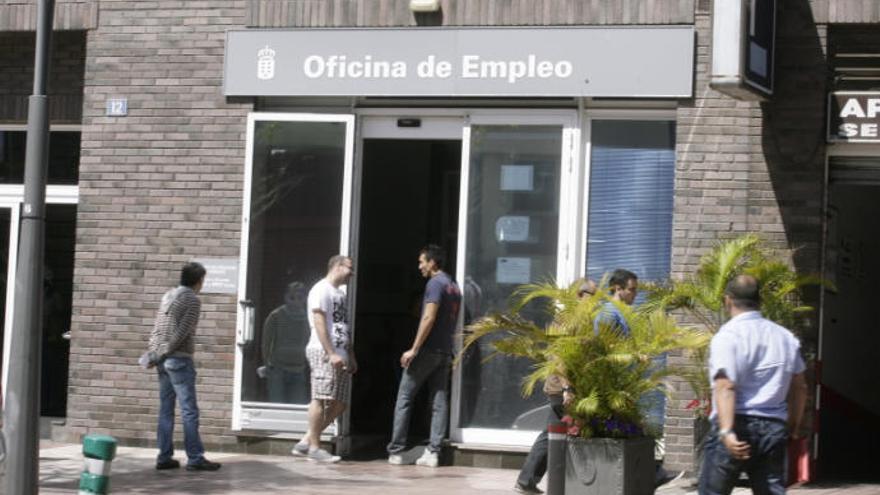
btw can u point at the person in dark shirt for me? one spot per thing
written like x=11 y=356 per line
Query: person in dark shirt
x=428 y=360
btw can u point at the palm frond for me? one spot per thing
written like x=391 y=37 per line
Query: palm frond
x=723 y=262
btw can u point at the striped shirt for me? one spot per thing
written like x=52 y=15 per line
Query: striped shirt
x=175 y=328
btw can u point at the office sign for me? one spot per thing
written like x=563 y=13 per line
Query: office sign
x=563 y=62
x=854 y=117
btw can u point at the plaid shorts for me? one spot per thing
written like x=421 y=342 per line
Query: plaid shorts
x=327 y=381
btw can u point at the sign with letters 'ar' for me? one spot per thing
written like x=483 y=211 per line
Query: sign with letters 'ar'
x=578 y=61
x=854 y=117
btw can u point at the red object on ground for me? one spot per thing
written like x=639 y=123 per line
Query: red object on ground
x=798 y=461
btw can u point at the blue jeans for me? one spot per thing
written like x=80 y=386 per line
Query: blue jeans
x=765 y=466
x=431 y=367
x=177 y=380
x=287 y=386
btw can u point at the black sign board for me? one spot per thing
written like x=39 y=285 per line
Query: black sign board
x=743 y=39
x=759 y=41
x=854 y=117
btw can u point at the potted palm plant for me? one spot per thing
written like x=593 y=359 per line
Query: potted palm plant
x=610 y=443
x=698 y=298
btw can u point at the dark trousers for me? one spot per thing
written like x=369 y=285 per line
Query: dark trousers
x=431 y=367
x=536 y=462
x=765 y=466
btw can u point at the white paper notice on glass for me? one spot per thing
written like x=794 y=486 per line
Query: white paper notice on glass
x=517 y=177
x=513 y=271
x=512 y=229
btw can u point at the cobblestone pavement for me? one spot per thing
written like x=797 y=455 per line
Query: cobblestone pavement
x=133 y=473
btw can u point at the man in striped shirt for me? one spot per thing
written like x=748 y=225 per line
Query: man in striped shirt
x=172 y=345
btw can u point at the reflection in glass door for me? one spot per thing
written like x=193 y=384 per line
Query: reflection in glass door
x=513 y=198
x=296 y=217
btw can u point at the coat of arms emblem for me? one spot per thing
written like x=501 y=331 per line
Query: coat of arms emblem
x=266 y=63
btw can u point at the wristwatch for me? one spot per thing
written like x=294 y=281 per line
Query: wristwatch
x=724 y=433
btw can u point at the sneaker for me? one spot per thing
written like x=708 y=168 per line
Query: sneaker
x=169 y=464
x=665 y=477
x=428 y=459
x=205 y=465
x=530 y=489
x=301 y=449
x=321 y=455
x=407 y=456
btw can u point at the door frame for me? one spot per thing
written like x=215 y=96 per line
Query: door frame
x=288 y=418
x=568 y=120
x=832 y=150
x=381 y=123
x=11 y=197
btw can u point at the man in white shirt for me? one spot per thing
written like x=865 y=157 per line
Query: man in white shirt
x=330 y=355
x=753 y=365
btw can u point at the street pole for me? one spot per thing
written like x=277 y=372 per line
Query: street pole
x=22 y=405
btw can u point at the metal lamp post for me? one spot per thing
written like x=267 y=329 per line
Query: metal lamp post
x=22 y=405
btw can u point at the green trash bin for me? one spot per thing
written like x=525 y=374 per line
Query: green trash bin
x=99 y=452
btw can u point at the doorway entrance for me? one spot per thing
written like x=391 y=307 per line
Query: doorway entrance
x=58 y=257
x=409 y=198
x=849 y=404
x=496 y=188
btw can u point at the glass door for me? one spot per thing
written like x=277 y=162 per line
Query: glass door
x=8 y=254
x=297 y=198
x=514 y=212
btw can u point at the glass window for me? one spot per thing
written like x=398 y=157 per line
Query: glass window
x=512 y=237
x=630 y=217
x=64 y=152
x=631 y=186
x=295 y=222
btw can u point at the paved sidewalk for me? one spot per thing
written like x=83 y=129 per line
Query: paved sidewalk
x=134 y=473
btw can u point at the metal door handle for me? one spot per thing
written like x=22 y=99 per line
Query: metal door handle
x=246 y=332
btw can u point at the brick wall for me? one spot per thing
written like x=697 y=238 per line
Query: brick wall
x=157 y=188
x=750 y=167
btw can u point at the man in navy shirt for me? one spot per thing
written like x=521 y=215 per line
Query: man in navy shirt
x=429 y=358
x=623 y=285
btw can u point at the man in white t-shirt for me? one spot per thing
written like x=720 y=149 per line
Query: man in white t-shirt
x=330 y=356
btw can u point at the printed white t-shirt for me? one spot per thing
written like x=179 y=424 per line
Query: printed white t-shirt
x=332 y=302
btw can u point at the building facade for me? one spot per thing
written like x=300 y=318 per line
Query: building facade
x=181 y=131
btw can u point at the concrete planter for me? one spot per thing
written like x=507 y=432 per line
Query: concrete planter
x=608 y=466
